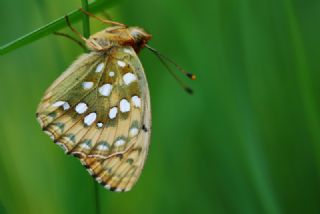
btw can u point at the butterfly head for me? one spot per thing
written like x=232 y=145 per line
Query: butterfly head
x=140 y=37
x=119 y=35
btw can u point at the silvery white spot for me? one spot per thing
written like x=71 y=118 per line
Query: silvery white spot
x=83 y=162
x=58 y=103
x=87 y=85
x=85 y=146
x=99 y=179
x=90 y=171
x=99 y=124
x=81 y=108
x=121 y=63
x=124 y=105
x=111 y=73
x=128 y=51
x=113 y=112
x=100 y=67
x=136 y=101
x=105 y=90
x=119 y=142
x=133 y=132
x=107 y=186
x=66 y=106
x=50 y=135
x=40 y=121
x=129 y=78
x=118 y=190
x=102 y=147
x=90 y=118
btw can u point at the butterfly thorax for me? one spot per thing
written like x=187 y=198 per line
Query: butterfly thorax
x=119 y=36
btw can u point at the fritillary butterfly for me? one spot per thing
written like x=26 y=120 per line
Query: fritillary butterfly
x=99 y=109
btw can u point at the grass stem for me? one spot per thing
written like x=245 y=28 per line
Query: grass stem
x=85 y=19
x=54 y=26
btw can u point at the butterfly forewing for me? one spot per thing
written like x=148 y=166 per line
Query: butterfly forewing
x=99 y=111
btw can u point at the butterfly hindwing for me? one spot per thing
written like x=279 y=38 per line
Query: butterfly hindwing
x=99 y=111
x=120 y=171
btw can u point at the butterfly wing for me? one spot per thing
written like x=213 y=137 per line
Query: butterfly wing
x=99 y=111
x=56 y=112
x=121 y=171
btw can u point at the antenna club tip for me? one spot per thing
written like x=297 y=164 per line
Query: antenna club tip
x=191 y=76
x=188 y=90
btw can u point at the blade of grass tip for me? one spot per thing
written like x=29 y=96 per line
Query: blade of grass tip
x=95 y=6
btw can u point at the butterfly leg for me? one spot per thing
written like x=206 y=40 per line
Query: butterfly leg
x=87 y=41
x=106 y=21
x=107 y=15
x=72 y=39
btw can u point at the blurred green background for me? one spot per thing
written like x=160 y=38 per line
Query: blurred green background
x=248 y=141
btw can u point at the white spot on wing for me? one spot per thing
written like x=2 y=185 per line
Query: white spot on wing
x=128 y=51
x=65 y=149
x=90 y=118
x=83 y=162
x=111 y=73
x=81 y=108
x=99 y=124
x=100 y=67
x=129 y=78
x=113 y=112
x=127 y=189
x=58 y=103
x=50 y=135
x=102 y=147
x=124 y=105
x=119 y=142
x=105 y=90
x=87 y=85
x=133 y=132
x=121 y=63
x=90 y=171
x=66 y=106
x=99 y=179
x=85 y=146
x=40 y=120
x=136 y=101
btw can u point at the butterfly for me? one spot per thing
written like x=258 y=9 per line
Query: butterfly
x=99 y=110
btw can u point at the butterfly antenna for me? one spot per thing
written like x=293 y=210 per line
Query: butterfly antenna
x=162 y=59
x=188 y=74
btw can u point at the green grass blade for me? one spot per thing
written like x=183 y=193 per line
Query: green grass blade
x=53 y=26
x=86 y=33
x=85 y=19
